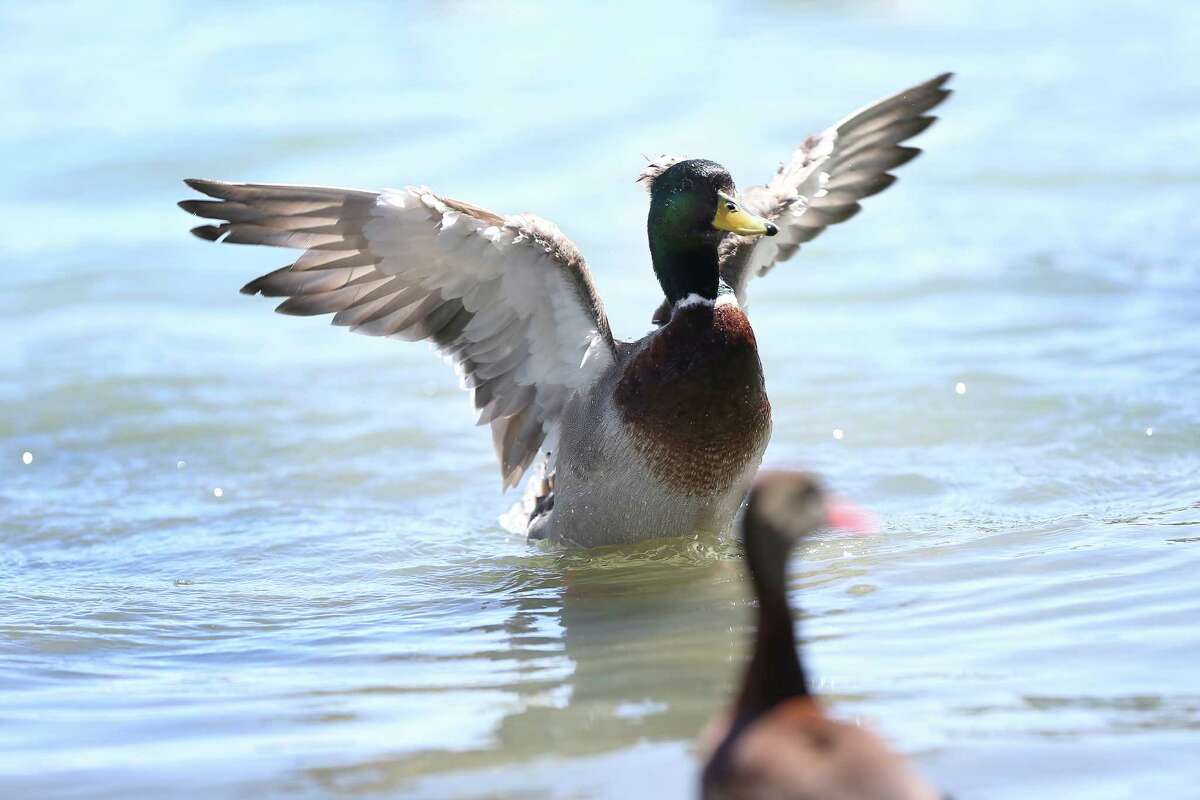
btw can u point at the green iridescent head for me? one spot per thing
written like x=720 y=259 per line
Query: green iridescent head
x=693 y=205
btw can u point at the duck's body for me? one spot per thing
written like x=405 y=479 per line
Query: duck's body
x=796 y=751
x=637 y=440
x=670 y=441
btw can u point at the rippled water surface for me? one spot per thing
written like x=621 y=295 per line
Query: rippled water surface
x=349 y=619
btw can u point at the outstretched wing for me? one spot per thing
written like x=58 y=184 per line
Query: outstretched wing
x=827 y=176
x=507 y=298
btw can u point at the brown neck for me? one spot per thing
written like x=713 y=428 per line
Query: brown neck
x=774 y=673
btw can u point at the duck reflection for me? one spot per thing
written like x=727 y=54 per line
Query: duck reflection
x=602 y=650
x=654 y=636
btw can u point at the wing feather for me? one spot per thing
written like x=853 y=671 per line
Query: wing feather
x=827 y=176
x=508 y=299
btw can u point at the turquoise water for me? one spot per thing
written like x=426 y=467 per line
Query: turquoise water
x=349 y=619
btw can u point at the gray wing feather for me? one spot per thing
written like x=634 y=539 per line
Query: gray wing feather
x=827 y=176
x=508 y=299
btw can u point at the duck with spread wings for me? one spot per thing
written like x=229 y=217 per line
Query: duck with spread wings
x=630 y=440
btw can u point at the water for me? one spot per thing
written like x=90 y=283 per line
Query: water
x=349 y=619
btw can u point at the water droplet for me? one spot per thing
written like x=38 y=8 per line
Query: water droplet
x=838 y=434
x=27 y=457
x=960 y=387
x=217 y=492
x=1149 y=432
x=180 y=464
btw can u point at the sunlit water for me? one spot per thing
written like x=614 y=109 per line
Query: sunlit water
x=348 y=618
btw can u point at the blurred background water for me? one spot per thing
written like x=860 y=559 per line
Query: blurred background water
x=348 y=618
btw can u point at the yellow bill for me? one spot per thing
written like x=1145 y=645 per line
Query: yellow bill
x=732 y=217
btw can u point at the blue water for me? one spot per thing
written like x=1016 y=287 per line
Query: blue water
x=348 y=617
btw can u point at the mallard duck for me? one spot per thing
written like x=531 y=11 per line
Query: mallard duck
x=633 y=440
x=778 y=742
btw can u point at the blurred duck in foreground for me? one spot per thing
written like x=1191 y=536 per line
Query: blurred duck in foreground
x=628 y=440
x=778 y=743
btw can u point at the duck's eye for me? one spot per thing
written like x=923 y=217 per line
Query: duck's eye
x=731 y=206
x=805 y=494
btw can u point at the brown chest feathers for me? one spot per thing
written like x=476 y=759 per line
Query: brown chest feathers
x=694 y=400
